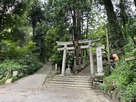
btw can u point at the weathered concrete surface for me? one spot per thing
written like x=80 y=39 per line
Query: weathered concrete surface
x=29 y=89
x=52 y=95
x=33 y=81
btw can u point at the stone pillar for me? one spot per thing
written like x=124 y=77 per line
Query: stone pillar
x=74 y=60
x=64 y=60
x=79 y=63
x=75 y=65
x=91 y=60
x=99 y=61
x=68 y=70
x=83 y=59
x=55 y=66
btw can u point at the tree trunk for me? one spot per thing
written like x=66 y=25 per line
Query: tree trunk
x=132 y=37
x=75 y=37
x=2 y=16
x=79 y=25
x=123 y=13
x=124 y=17
x=116 y=37
x=135 y=2
x=34 y=28
x=42 y=50
x=87 y=25
x=82 y=20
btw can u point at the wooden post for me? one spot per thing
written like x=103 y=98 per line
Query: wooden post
x=64 y=60
x=91 y=60
x=107 y=48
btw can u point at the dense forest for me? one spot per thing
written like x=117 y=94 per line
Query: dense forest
x=29 y=30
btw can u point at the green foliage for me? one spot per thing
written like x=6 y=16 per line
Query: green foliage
x=53 y=35
x=36 y=14
x=11 y=50
x=129 y=93
x=7 y=68
x=28 y=65
x=13 y=17
x=19 y=58
x=129 y=48
x=30 y=47
x=57 y=58
x=123 y=77
x=99 y=32
x=9 y=65
x=130 y=30
x=107 y=70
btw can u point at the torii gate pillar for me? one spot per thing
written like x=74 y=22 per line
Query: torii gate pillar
x=64 y=60
x=91 y=59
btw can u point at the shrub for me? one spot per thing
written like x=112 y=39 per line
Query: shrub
x=10 y=49
x=25 y=66
x=7 y=68
x=20 y=59
x=30 y=64
x=129 y=95
x=29 y=47
x=122 y=78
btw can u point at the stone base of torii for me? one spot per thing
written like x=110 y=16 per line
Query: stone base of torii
x=87 y=46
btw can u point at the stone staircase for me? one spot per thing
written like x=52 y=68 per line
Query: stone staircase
x=80 y=82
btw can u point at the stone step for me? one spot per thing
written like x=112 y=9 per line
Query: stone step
x=71 y=78
x=74 y=76
x=72 y=87
x=70 y=83
x=80 y=82
x=67 y=85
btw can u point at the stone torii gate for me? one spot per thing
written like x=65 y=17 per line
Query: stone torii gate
x=66 y=48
